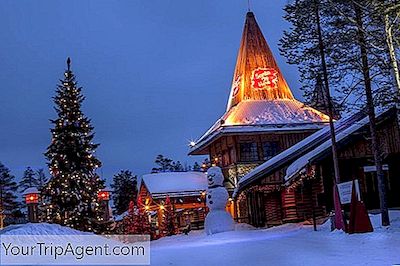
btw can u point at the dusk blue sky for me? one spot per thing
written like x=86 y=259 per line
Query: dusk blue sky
x=155 y=73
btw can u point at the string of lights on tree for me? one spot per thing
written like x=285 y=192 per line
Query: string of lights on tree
x=71 y=196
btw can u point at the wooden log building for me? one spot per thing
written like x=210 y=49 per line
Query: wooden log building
x=275 y=151
x=262 y=117
x=298 y=182
x=186 y=192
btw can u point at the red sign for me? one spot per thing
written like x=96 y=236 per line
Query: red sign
x=235 y=86
x=264 y=78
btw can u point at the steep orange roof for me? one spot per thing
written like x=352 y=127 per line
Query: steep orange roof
x=257 y=75
x=260 y=100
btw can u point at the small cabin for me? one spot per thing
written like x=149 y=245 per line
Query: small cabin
x=185 y=191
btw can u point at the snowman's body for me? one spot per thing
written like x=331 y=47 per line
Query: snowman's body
x=218 y=219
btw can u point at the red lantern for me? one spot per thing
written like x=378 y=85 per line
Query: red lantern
x=31 y=196
x=103 y=195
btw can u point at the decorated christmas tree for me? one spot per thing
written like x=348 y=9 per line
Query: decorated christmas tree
x=137 y=221
x=71 y=194
x=169 y=225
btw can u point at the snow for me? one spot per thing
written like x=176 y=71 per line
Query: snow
x=40 y=229
x=298 y=165
x=175 y=183
x=303 y=161
x=217 y=198
x=289 y=244
x=264 y=116
x=302 y=152
x=298 y=149
x=31 y=190
x=218 y=221
x=280 y=111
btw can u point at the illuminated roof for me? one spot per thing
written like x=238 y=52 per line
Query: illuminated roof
x=257 y=75
x=260 y=99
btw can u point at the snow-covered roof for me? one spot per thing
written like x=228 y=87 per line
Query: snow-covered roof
x=263 y=116
x=302 y=153
x=297 y=166
x=31 y=190
x=175 y=184
x=297 y=150
x=273 y=112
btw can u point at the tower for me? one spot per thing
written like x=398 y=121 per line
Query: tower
x=262 y=117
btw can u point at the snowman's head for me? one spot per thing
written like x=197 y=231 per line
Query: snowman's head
x=215 y=176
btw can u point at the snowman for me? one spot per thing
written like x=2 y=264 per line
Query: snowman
x=218 y=219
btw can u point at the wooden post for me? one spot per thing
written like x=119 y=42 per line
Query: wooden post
x=314 y=218
x=33 y=212
x=103 y=197
x=2 y=217
x=32 y=201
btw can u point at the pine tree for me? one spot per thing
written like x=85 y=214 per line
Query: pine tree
x=375 y=141
x=196 y=167
x=356 y=65
x=187 y=167
x=366 y=63
x=124 y=190
x=310 y=21
x=177 y=167
x=28 y=180
x=71 y=193
x=164 y=164
x=41 y=179
x=8 y=188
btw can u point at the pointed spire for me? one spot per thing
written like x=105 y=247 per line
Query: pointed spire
x=257 y=75
x=320 y=101
x=69 y=64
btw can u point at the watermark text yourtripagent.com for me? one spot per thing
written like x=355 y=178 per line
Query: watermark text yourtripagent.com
x=74 y=250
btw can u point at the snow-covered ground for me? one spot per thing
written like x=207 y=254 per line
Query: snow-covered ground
x=290 y=244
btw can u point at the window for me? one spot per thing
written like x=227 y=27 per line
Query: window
x=248 y=152
x=270 y=149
